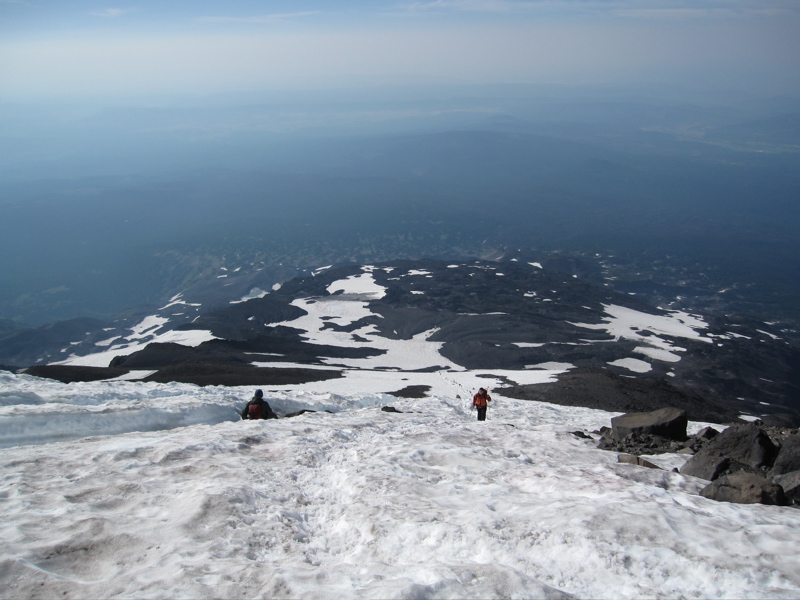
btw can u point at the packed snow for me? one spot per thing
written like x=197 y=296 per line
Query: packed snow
x=356 y=502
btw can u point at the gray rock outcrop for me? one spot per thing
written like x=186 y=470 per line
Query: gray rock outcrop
x=745 y=488
x=790 y=482
x=738 y=448
x=788 y=458
x=636 y=460
x=669 y=423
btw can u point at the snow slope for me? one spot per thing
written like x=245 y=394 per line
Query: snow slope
x=360 y=503
x=119 y=489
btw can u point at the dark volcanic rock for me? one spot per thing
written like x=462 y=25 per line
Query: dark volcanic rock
x=161 y=355
x=245 y=320
x=788 y=458
x=738 y=448
x=216 y=374
x=636 y=460
x=38 y=344
x=72 y=374
x=285 y=345
x=601 y=389
x=638 y=444
x=487 y=315
x=706 y=433
x=790 y=482
x=668 y=422
x=412 y=391
x=745 y=488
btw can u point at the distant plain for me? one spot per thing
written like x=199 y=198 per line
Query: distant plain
x=121 y=205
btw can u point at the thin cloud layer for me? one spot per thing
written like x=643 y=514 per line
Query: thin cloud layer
x=271 y=18
x=193 y=48
x=624 y=8
x=111 y=13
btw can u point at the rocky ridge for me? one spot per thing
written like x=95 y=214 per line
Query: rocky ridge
x=747 y=463
x=617 y=352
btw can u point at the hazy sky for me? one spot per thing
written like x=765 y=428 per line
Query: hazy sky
x=53 y=47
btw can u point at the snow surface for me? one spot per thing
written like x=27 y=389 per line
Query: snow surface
x=141 y=334
x=127 y=346
x=253 y=294
x=630 y=324
x=633 y=364
x=357 y=503
x=129 y=489
x=349 y=308
x=362 y=285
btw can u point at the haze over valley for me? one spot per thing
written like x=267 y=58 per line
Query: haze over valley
x=362 y=213
x=113 y=207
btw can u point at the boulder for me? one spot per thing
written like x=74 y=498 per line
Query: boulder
x=790 y=482
x=706 y=433
x=788 y=458
x=664 y=422
x=636 y=460
x=745 y=488
x=637 y=445
x=707 y=467
x=740 y=447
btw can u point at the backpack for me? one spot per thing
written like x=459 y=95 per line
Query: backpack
x=254 y=411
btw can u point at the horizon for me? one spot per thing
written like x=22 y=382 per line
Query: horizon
x=142 y=131
x=53 y=49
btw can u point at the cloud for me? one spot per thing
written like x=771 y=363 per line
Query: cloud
x=465 y=5
x=734 y=10
x=652 y=9
x=111 y=13
x=258 y=18
x=514 y=48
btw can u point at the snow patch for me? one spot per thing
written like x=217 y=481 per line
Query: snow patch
x=632 y=364
x=527 y=345
x=360 y=285
x=626 y=323
x=251 y=295
x=146 y=327
x=659 y=354
x=749 y=418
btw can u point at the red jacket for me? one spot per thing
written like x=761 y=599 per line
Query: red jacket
x=481 y=400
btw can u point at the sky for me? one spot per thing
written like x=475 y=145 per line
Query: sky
x=50 y=48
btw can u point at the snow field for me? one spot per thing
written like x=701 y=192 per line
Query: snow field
x=171 y=496
x=366 y=504
x=349 y=303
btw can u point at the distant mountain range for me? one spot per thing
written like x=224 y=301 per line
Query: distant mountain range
x=548 y=334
